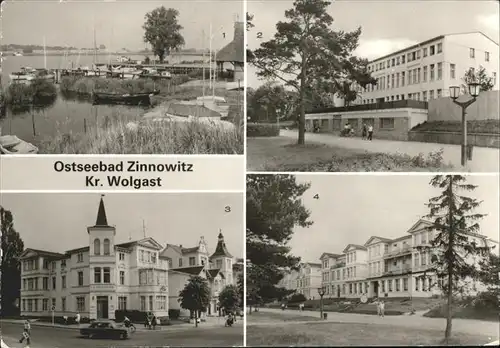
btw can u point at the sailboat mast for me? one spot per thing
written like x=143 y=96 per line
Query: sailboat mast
x=210 y=57
x=44 y=54
x=95 y=49
x=203 y=40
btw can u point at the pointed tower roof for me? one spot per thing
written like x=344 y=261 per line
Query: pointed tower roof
x=101 y=220
x=221 y=249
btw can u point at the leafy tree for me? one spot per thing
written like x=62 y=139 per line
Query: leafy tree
x=195 y=296
x=229 y=298
x=241 y=289
x=274 y=208
x=307 y=54
x=162 y=31
x=250 y=25
x=270 y=102
x=454 y=219
x=480 y=76
x=297 y=298
x=12 y=247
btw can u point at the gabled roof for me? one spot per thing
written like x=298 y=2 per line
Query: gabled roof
x=355 y=246
x=29 y=252
x=234 y=51
x=195 y=270
x=179 y=249
x=329 y=255
x=419 y=225
x=213 y=273
x=377 y=237
x=145 y=242
x=314 y=264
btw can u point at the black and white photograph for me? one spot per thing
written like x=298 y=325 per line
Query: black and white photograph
x=385 y=260
x=362 y=86
x=91 y=270
x=122 y=77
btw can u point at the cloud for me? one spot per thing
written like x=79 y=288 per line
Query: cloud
x=372 y=49
x=489 y=21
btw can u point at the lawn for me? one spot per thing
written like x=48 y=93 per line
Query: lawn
x=282 y=154
x=260 y=332
x=473 y=126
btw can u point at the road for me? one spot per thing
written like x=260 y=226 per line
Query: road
x=466 y=326
x=47 y=337
x=483 y=160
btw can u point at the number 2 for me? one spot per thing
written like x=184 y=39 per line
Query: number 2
x=259 y=35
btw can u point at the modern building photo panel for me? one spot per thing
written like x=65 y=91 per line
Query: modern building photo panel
x=155 y=269
x=362 y=86
x=372 y=260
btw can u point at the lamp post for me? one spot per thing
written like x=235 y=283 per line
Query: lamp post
x=474 y=89
x=321 y=292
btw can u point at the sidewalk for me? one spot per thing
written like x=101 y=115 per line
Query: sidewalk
x=484 y=159
x=470 y=326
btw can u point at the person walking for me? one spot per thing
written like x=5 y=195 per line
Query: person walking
x=77 y=319
x=370 y=132
x=364 y=132
x=26 y=333
x=382 y=308
x=154 y=322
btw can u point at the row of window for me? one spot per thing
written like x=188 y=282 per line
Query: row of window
x=420 y=96
x=31 y=305
x=472 y=54
x=97 y=246
x=408 y=57
x=351 y=257
x=147 y=303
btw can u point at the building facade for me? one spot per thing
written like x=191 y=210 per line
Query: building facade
x=306 y=280
x=385 y=267
x=98 y=279
x=426 y=71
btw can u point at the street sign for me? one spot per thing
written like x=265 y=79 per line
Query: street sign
x=364 y=299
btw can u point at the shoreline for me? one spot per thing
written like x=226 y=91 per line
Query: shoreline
x=11 y=54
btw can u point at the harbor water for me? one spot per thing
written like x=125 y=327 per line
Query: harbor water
x=64 y=116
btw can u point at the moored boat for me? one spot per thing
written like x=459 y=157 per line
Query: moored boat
x=25 y=74
x=12 y=145
x=127 y=99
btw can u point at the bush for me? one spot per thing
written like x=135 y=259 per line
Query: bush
x=297 y=298
x=262 y=130
x=174 y=313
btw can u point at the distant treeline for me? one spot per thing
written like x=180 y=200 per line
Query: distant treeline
x=14 y=47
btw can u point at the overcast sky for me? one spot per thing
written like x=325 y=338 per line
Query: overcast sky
x=117 y=23
x=387 y=26
x=352 y=208
x=58 y=221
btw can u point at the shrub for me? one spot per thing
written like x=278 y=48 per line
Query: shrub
x=262 y=130
x=297 y=298
x=174 y=313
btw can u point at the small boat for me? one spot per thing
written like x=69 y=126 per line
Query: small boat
x=17 y=54
x=123 y=59
x=44 y=74
x=12 y=145
x=25 y=74
x=127 y=99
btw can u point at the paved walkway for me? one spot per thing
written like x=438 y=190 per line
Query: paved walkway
x=491 y=329
x=484 y=159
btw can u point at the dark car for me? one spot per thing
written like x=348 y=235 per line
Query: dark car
x=105 y=329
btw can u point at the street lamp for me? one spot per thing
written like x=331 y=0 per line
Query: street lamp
x=474 y=89
x=321 y=292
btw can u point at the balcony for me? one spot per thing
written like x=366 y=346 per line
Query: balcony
x=398 y=270
x=338 y=265
x=397 y=104
x=406 y=249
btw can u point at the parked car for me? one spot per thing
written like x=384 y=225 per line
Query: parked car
x=105 y=329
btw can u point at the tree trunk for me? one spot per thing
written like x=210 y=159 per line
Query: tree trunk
x=302 y=92
x=195 y=318
x=447 y=332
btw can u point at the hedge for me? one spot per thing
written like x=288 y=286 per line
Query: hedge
x=174 y=313
x=262 y=130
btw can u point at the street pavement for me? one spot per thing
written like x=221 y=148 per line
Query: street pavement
x=466 y=326
x=184 y=335
x=483 y=160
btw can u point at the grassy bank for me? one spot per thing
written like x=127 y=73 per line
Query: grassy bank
x=85 y=85
x=39 y=91
x=116 y=137
x=281 y=154
x=473 y=126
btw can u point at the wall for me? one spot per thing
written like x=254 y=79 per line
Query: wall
x=483 y=140
x=485 y=108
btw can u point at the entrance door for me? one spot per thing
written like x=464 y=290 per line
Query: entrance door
x=102 y=307
x=375 y=288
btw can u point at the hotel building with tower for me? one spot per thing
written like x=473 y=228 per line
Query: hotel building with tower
x=104 y=276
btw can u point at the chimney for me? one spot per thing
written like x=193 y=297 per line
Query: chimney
x=239 y=31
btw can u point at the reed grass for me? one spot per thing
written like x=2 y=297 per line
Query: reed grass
x=85 y=85
x=38 y=91
x=118 y=137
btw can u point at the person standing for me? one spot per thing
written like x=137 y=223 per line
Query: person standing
x=26 y=333
x=382 y=308
x=378 y=306
x=364 y=132
x=77 y=319
x=370 y=132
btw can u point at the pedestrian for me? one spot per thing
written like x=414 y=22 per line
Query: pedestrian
x=370 y=132
x=154 y=322
x=364 y=132
x=26 y=333
x=382 y=308
x=378 y=306
x=77 y=319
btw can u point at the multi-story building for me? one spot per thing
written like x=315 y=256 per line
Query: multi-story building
x=390 y=267
x=305 y=281
x=426 y=70
x=102 y=277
